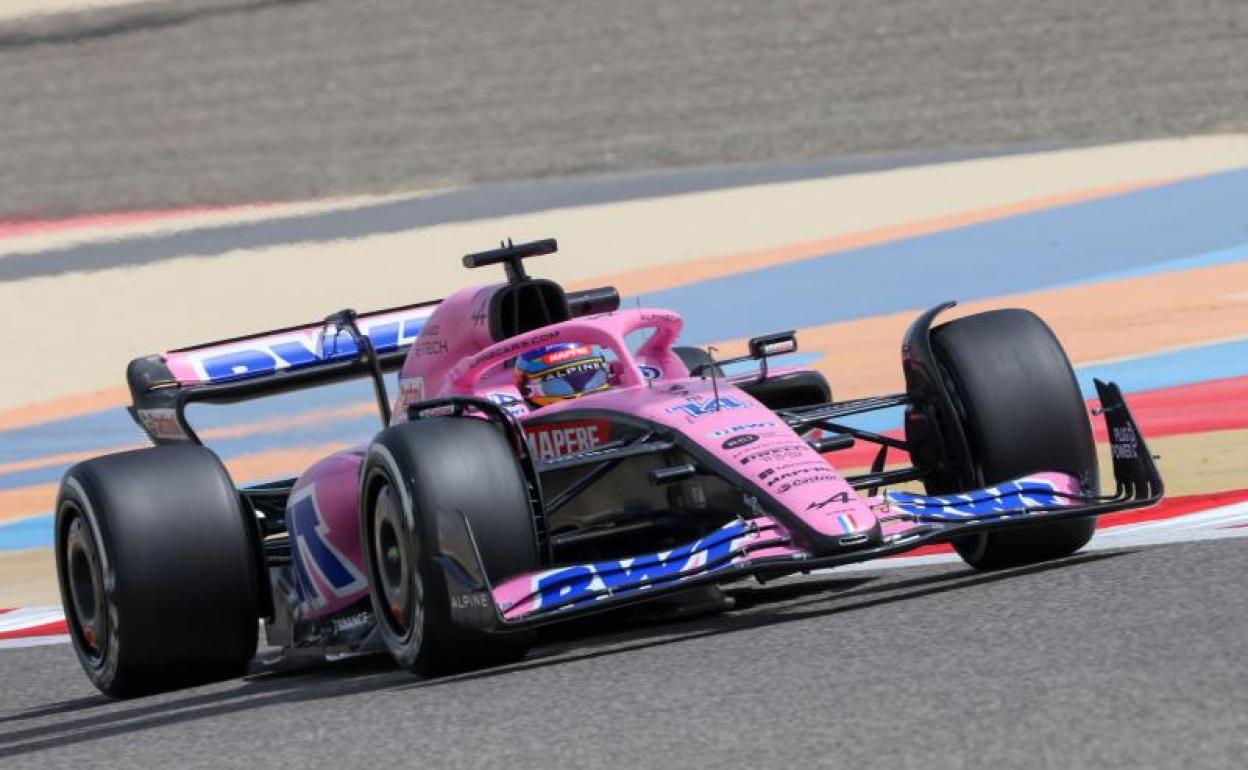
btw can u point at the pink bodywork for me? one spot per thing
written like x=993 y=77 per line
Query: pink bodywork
x=455 y=355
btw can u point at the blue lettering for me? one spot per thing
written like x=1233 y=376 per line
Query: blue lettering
x=1010 y=496
x=645 y=569
x=239 y=363
x=709 y=406
x=571 y=583
x=384 y=336
x=411 y=330
x=306 y=528
x=576 y=584
x=983 y=501
x=295 y=353
x=250 y=362
x=339 y=345
x=1044 y=495
x=719 y=549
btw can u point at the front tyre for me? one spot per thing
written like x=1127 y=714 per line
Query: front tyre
x=157 y=569
x=419 y=475
x=1020 y=406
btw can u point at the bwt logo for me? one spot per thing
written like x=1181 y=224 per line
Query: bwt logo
x=710 y=406
x=1003 y=498
x=301 y=349
x=587 y=582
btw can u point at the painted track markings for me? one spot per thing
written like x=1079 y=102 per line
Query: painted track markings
x=1179 y=519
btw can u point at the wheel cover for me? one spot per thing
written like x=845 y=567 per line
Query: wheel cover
x=395 y=575
x=85 y=579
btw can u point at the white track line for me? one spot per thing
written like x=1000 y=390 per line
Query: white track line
x=29 y=617
x=1213 y=524
x=18 y=9
x=33 y=641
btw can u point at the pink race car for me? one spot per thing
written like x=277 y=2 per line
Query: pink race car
x=549 y=455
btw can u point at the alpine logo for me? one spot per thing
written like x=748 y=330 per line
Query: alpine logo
x=839 y=497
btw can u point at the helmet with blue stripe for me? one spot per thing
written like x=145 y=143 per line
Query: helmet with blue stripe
x=559 y=372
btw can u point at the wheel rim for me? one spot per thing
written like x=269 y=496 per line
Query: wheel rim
x=394 y=566
x=84 y=576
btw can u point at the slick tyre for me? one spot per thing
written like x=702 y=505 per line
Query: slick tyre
x=158 y=570
x=1019 y=403
x=418 y=477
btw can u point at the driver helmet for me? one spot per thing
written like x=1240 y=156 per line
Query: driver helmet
x=559 y=372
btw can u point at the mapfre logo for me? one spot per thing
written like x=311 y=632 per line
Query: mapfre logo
x=553 y=440
x=559 y=356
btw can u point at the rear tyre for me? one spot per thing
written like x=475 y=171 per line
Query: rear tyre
x=157 y=568
x=413 y=473
x=1019 y=403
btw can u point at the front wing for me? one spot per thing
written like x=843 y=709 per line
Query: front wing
x=757 y=545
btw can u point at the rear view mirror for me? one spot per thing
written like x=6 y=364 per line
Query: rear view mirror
x=775 y=344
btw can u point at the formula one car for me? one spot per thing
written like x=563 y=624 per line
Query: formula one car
x=549 y=455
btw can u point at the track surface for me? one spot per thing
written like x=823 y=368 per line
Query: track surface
x=1123 y=658
x=1112 y=659
x=197 y=101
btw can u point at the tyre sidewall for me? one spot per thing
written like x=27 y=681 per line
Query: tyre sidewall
x=179 y=568
x=73 y=501
x=1020 y=405
x=438 y=644
x=382 y=466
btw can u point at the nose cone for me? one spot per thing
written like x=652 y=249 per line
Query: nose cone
x=756 y=448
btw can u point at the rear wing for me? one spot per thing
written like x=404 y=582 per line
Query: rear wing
x=267 y=363
x=284 y=360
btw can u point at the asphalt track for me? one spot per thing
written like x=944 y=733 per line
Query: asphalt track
x=1119 y=658
x=202 y=101
x=1111 y=659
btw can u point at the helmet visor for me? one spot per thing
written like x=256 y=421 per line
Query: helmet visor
x=584 y=376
